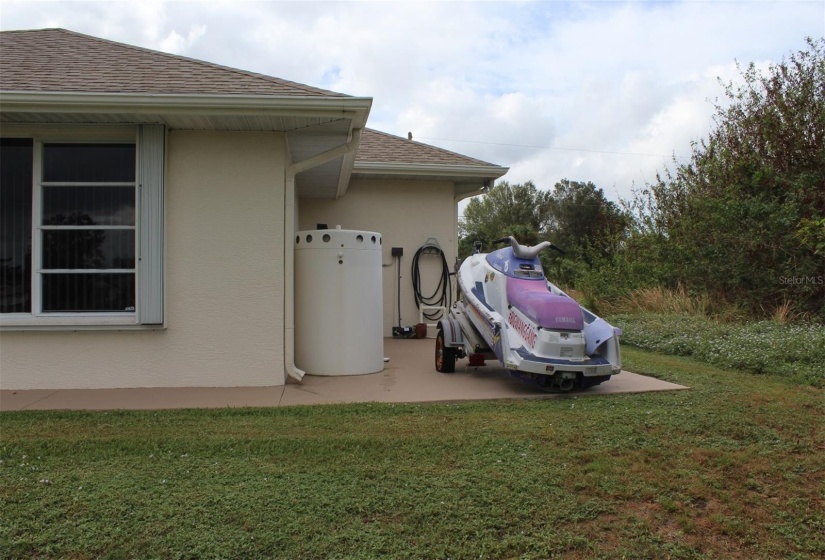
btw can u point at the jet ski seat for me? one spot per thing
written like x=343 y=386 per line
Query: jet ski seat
x=542 y=307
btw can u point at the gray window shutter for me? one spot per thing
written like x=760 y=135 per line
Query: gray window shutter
x=151 y=140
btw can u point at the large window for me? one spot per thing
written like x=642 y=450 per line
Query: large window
x=87 y=228
x=81 y=237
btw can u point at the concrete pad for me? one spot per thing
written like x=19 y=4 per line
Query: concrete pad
x=141 y=398
x=20 y=400
x=409 y=376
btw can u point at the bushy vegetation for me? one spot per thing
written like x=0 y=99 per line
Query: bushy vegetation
x=767 y=347
x=744 y=220
x=740 y=226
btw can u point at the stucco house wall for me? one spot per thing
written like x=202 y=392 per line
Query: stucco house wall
x=224 y=217
x=406 y=213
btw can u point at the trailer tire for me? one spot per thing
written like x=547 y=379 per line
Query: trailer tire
x=444 y=355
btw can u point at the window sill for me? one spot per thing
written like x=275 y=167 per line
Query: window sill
x=73 y=323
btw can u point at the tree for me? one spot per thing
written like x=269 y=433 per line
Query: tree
x=587 y=226
x=520 y=210
x=584 y=221
x=575 y=216
x=744 y=218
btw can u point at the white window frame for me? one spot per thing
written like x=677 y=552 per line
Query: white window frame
x=149 y=143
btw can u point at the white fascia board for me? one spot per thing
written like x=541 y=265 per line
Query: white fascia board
x=356 y=108
x=434 y=169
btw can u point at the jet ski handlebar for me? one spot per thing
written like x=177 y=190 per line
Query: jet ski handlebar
x=525 y=251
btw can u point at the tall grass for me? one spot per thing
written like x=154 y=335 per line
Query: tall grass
x=657 y=299
x=680 y=301
x=786 y=313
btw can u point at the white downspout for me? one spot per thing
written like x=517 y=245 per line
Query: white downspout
x=289 y=278
x=290 y=213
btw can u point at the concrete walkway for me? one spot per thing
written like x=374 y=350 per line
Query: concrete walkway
x=409 y=376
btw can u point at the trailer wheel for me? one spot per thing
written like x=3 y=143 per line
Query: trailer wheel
x=444 y=355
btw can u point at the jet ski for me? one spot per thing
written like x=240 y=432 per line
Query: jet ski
x=507 y=310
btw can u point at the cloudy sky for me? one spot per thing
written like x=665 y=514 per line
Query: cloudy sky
x=605 y=91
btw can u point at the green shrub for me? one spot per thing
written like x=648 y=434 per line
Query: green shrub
x=760 y=347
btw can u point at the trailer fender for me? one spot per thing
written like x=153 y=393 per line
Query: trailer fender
x=453 y=336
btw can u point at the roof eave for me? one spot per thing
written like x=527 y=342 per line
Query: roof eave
x=459 y=172
x=355 y=108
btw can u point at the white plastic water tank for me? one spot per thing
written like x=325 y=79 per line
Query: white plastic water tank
x=338 y=302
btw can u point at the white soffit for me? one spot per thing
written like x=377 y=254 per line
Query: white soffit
x=320 y=181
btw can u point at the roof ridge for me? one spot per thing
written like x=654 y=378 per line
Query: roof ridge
x=256 y=75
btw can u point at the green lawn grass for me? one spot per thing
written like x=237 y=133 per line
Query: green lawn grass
x=732 y=468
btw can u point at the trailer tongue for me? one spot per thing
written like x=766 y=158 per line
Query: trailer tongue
x=510 y=312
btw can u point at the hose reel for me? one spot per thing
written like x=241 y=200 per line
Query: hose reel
x=440 y=297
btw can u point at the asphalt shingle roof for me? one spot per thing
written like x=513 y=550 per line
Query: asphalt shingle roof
x=380 y=147
x=57 y=60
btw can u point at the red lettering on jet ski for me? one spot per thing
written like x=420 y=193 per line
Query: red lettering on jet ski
x=522 y=328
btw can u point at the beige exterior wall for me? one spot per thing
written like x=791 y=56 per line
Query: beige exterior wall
x=406 y=214
x=224 y=283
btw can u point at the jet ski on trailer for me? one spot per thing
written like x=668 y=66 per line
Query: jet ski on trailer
x=507 y=310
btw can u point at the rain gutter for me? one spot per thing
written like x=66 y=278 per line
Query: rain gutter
x=356 y=108
x=430 y=169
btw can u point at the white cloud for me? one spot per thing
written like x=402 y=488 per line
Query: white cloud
x=174 y=42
